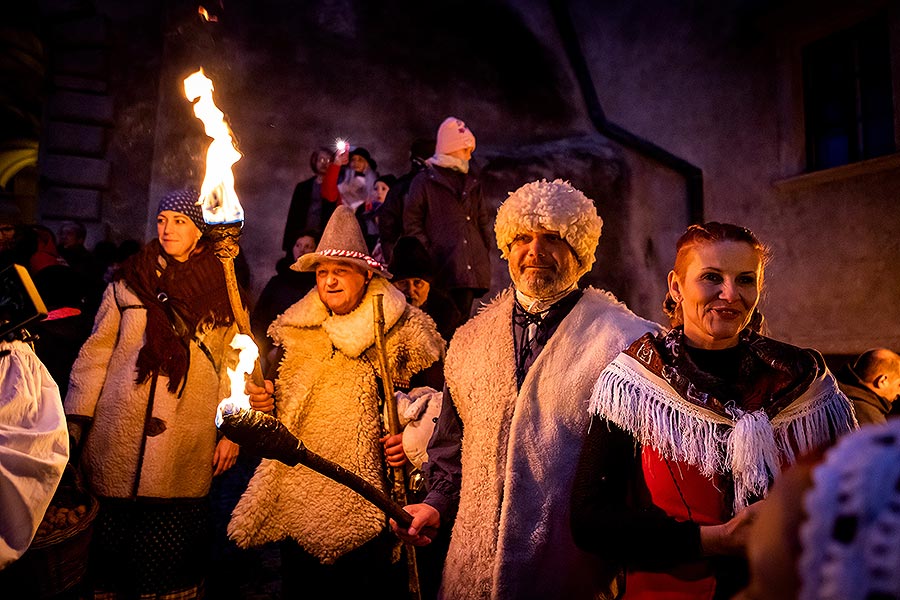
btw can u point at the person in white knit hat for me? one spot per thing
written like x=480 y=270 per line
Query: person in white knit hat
x=446 y=211
x=518 y=378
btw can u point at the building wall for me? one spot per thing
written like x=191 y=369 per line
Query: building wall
x=713 y=83
x=718 y=83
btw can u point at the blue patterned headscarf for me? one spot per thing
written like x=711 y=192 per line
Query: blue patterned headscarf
x=184 y=202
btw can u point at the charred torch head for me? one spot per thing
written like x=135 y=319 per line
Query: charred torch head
x=261 y=434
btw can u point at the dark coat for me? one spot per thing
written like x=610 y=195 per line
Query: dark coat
x=282 y=290
x=443 y=312
x=390 y=215
x=304 y=213
x=869 y=406
x=445 y=209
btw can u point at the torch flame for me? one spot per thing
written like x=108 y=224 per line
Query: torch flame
x=217 y=196
x=238 y=400
x=206 y=16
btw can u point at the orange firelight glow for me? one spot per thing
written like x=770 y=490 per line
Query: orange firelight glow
x=206 y=16
x=217 y=196
x=247 y=355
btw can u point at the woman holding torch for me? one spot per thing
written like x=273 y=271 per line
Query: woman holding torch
x=142 y=401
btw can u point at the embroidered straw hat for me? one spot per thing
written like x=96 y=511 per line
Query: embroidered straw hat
x=342 y=240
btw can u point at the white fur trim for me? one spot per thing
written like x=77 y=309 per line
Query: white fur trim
x=351 y=333
x=748 y=445
x=328 y=398
x=512 y=537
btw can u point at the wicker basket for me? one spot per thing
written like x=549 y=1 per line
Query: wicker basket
x=56 y=562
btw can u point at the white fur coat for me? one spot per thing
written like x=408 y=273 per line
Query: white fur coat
x=327 y=395
x=177 y=463
x=519 y=450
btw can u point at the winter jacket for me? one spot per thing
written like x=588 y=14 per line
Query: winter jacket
x=445 y=209
x=869 y=406
x=308 y=210
x=177 y=457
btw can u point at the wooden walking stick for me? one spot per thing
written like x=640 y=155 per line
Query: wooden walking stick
x=398 y=491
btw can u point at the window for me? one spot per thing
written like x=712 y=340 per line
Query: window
x=848 y=96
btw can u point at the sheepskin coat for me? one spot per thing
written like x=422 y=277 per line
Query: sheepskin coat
x=519 y=449
x=181 y=436
x=327 y=394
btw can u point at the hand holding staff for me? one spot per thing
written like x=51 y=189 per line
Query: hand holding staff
x=399 y=473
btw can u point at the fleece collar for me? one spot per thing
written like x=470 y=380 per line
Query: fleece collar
x=352 y=333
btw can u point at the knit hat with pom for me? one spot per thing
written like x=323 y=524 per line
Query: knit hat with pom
x=554 y=206
x=453 y=135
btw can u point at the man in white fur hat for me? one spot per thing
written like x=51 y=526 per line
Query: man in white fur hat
x=520 y=375
x=327 y=394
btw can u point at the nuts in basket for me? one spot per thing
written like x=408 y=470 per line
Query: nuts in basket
x=58 y=518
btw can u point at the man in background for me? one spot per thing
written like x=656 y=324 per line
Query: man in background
x=872 y=382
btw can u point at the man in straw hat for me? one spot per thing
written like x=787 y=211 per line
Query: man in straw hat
x=327 y=394
x=519 y=375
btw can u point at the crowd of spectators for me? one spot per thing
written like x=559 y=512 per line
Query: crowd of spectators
x=604 y=455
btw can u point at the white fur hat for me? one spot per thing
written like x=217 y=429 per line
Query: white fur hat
x=554 y=206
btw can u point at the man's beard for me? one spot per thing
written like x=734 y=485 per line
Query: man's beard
x=545 y=283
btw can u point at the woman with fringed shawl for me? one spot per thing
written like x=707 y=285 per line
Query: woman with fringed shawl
x=689 y=428
x=143 y=395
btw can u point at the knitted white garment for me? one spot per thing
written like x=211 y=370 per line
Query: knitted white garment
x=851 y=538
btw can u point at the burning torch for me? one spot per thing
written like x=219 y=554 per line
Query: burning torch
x=268 y=437
x=222 y=210
x=261 y=433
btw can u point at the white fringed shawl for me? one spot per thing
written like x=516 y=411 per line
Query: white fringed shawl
x=747 y=444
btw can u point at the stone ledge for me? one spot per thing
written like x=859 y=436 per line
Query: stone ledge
x=857 y=169
x=89 y=31
x=74 y=83
x=91 y=62
x=78 y=107
x=70 y=138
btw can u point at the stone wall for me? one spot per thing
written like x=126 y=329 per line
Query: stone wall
x=714 y=84
x=719 y=84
